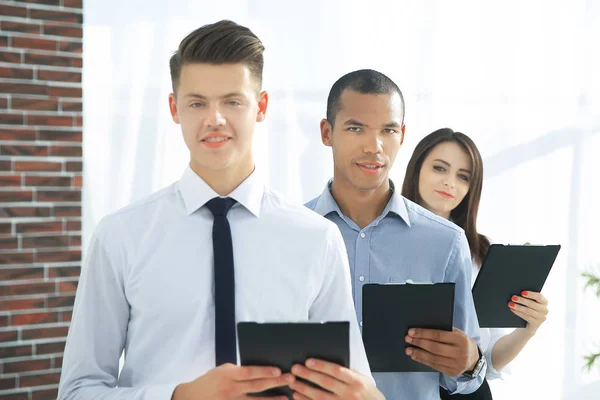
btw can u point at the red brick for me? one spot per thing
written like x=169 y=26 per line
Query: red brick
x=75 y=241
x=74 y=166
x=34 y=104
x=36 y=227
x=34 y=318
x=26 y=212
x=19 y=150
x=51 y=60
x=23 y=88
x=73 y=3
x=8 y=56
x=25 y=289
x=78 y=181
x=21 y=27
x=62 y=30
x=17 y=134
x=33 y=43
x=12 y=119
x=45 y=242
x=61 y=301
x=16 y=258
x=3 y=103
x=66 y=151
x=11 y=243
x=61 y=136
x=16 y=396
x=67 y=211
x=10 y=180
x=67 y=287
x=40 y=380
x=73 y=225
x=45 y=166
x=16 y=73
x=21 y=304
x=73 y=106
x=24 y=273
x=17 y=196
x=3 y=324
x=10 y=11
x=49 y=120
x=8 y=336
x=70 y=46
x=48 y=180
x=60 y=76
x=60 y=91
x=45 y=2
x=50 y=348
x=46 y=394
x=57 y=362
x=59 y=195
x=16 y=351
x=63 y=272
x=25 y=366
x=5 y=165
x=58 y=256
x=6 y=227
x=66 y=316
x=8 y=383
x=63 y=16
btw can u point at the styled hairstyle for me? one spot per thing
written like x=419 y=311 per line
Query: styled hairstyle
x=364 y=81
x=223 y=42
x=465 y=214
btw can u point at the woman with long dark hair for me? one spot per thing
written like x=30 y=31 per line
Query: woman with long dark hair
x=445 y=175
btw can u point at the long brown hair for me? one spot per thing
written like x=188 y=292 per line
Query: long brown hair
x=465 y=214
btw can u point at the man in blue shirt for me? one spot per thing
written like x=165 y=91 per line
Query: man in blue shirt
x=390 y=239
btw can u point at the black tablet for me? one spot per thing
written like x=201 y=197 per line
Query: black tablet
x=286 y=344
x=507 y=271
x=390 y=310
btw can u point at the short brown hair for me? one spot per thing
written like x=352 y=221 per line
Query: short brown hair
x=223 y=42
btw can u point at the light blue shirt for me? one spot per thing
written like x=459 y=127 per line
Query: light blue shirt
x=408 y=242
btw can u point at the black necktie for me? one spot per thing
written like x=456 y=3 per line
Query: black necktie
x=225 y=343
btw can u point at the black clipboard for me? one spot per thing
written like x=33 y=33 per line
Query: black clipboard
x=283 y=345
x=508 y=270
x=390 y=310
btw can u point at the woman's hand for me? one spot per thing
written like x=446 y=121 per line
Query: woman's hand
x=532 y=307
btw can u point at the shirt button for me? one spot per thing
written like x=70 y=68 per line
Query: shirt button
x=360 y=323
x=362 y=235
x=361 y=278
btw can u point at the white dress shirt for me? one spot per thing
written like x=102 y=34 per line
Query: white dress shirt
x=147 y=287
x=489 y=337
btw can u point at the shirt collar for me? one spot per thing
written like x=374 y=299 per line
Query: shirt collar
x=326 y=204
x=196 y=192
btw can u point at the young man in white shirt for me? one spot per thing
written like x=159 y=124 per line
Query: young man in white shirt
x=166 y=281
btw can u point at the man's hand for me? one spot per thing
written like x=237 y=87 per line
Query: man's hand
x=230 y=381
x=344 y=383
x=451 y=353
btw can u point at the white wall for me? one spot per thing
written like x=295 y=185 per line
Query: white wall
x=519 y=77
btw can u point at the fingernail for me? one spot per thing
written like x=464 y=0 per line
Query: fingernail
x=276 y=372
x=311 y=363
x=515 y=298
x=411 y=332
x=409 y=339
x=511 y=304
x=290 y=379
x=409 y=351
x=524 y=293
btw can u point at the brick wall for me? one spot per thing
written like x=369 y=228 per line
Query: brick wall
x=40 y=190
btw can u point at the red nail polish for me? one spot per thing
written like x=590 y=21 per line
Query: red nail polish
x=524 y=293
x=515 y=298
x=511 y=304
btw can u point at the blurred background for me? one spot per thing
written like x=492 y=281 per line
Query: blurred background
x=519 y=77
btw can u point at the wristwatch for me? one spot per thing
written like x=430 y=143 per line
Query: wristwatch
x=478 y=367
